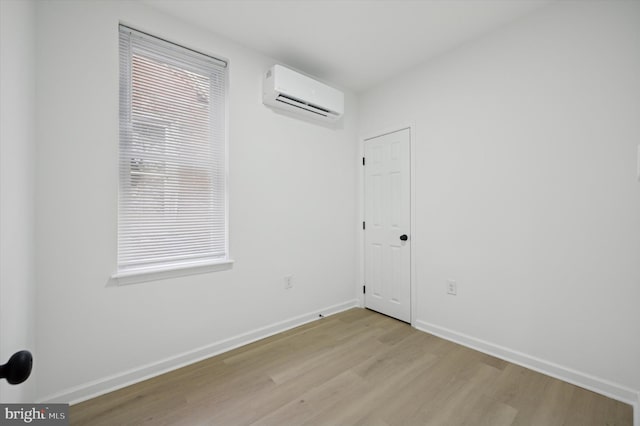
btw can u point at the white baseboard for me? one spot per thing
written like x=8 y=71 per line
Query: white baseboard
x=108 y=384
x=587 y=381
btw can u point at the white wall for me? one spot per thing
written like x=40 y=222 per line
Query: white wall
x=526 y=189
x=17 y=153
x=292 y=202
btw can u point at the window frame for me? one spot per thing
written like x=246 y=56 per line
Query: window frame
x=174 y=268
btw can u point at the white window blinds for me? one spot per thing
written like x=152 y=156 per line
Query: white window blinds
x=172 y=194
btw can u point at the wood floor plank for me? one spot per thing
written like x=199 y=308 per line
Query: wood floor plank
x=489 y=412
x=316 y=400
x=363 y=407
x=354 y=368
x=246 y=409
x=554 y=404
x=454 y=404
x=588 y=407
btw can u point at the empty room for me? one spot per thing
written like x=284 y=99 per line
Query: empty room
x=341 y=212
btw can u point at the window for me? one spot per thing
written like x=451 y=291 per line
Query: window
x=172 y=211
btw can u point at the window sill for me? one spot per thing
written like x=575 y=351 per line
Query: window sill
x=136 y=276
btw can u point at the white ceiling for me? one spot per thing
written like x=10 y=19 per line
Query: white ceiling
x=351 y=43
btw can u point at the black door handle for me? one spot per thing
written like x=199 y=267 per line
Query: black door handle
x=404 y=237
x=18 y=369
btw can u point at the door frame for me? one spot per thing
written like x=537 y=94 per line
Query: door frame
x=361 y=181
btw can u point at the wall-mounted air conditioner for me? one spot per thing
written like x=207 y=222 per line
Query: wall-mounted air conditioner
x=292 y=91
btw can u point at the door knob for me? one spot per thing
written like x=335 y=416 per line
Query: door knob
x=404 y=237
x=18 y=369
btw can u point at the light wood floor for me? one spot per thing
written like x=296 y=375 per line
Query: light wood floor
x=354 y=368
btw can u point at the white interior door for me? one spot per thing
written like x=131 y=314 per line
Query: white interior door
x=387 y=220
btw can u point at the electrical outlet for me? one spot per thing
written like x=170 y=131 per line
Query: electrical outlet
x=288 y=282
x=452 y=287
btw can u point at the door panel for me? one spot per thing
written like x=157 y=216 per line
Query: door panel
x=387 y=217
